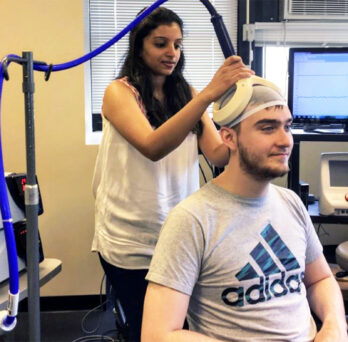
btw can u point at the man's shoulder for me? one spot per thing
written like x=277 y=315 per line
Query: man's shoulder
x=197 y=199
x=282 y=191
x=289 y=198
x=198 y=203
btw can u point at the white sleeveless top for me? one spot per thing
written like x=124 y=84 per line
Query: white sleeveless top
x=134 y=195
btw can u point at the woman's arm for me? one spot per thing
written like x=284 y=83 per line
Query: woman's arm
x=122 y=110
x=210 y=142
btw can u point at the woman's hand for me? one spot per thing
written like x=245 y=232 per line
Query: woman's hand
x=231 y=71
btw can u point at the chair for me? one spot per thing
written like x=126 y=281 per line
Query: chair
x=342 y=259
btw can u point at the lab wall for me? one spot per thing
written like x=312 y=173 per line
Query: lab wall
x=53 y=31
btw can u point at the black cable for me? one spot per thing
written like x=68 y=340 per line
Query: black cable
x=95 y=338
x=102 y=337
x=203 y=174
x=84 y=318
x=209 y=165
x=321 y=227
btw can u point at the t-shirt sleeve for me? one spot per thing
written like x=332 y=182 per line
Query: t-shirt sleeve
x=177 y=258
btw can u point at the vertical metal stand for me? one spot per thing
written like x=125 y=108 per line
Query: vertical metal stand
x=294 y=174
x=31 y=202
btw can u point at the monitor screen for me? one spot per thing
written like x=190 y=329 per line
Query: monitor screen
x=318 y=85
x=338 y=173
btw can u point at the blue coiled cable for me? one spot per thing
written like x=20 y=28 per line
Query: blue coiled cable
x=8 y=320
x=103 y=47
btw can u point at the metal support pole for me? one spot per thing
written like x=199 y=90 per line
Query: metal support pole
x=31 y=202
x=294 y=174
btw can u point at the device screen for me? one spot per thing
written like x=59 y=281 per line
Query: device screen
x=338 y=173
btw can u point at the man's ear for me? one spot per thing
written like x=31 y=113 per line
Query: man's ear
x=229 y=137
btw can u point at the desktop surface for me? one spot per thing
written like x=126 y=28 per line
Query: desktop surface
x=329 y=135
x=313 y=210
x=48 y=269
x=313 y=127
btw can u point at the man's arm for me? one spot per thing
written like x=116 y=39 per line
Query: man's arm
x=164 y=314
x=325 y=299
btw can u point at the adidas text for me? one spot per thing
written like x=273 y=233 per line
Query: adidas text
x=263 y=291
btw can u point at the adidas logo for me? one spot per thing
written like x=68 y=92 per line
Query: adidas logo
x=265 y=289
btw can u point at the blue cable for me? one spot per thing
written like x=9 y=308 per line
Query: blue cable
x=10 y=319
x=220 y=29
x=85 y=58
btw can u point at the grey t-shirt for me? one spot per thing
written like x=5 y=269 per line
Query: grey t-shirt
x=242 y=263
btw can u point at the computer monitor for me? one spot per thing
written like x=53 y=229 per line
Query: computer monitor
x=318 y=86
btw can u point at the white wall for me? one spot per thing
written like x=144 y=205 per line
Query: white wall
x=53 y=31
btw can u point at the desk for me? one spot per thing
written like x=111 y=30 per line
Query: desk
x=48 y=269
x=313 y=210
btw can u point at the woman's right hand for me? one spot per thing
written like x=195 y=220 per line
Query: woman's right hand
x=231 y=71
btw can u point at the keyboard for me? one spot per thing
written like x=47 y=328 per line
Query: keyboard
x=319 y=128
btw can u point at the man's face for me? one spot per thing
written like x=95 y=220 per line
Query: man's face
x=265 y=143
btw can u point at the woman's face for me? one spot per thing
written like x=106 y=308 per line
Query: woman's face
x=162 y=49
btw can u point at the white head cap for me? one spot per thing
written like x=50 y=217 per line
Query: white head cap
x=262 y=97
x=245 y=98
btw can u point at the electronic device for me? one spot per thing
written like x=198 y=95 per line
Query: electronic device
x=15 y=189
x=318 y=91
x=304 y=193
x=231 y=104
x=333 y=198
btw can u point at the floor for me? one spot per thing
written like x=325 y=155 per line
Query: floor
x=66 y=326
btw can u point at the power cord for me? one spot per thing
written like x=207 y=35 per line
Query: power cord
x=203 y=174
x=102 y=337
x=95 y=338
x=84 y=319
x=209 y=166
x=321 y=227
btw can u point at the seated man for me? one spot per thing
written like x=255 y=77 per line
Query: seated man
x=240 y=257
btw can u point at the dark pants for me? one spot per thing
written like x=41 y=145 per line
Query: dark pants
x=129 y=287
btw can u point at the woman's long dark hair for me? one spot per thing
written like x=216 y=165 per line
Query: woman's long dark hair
x=177 y=92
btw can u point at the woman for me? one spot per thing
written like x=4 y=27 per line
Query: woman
x=154 y=123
